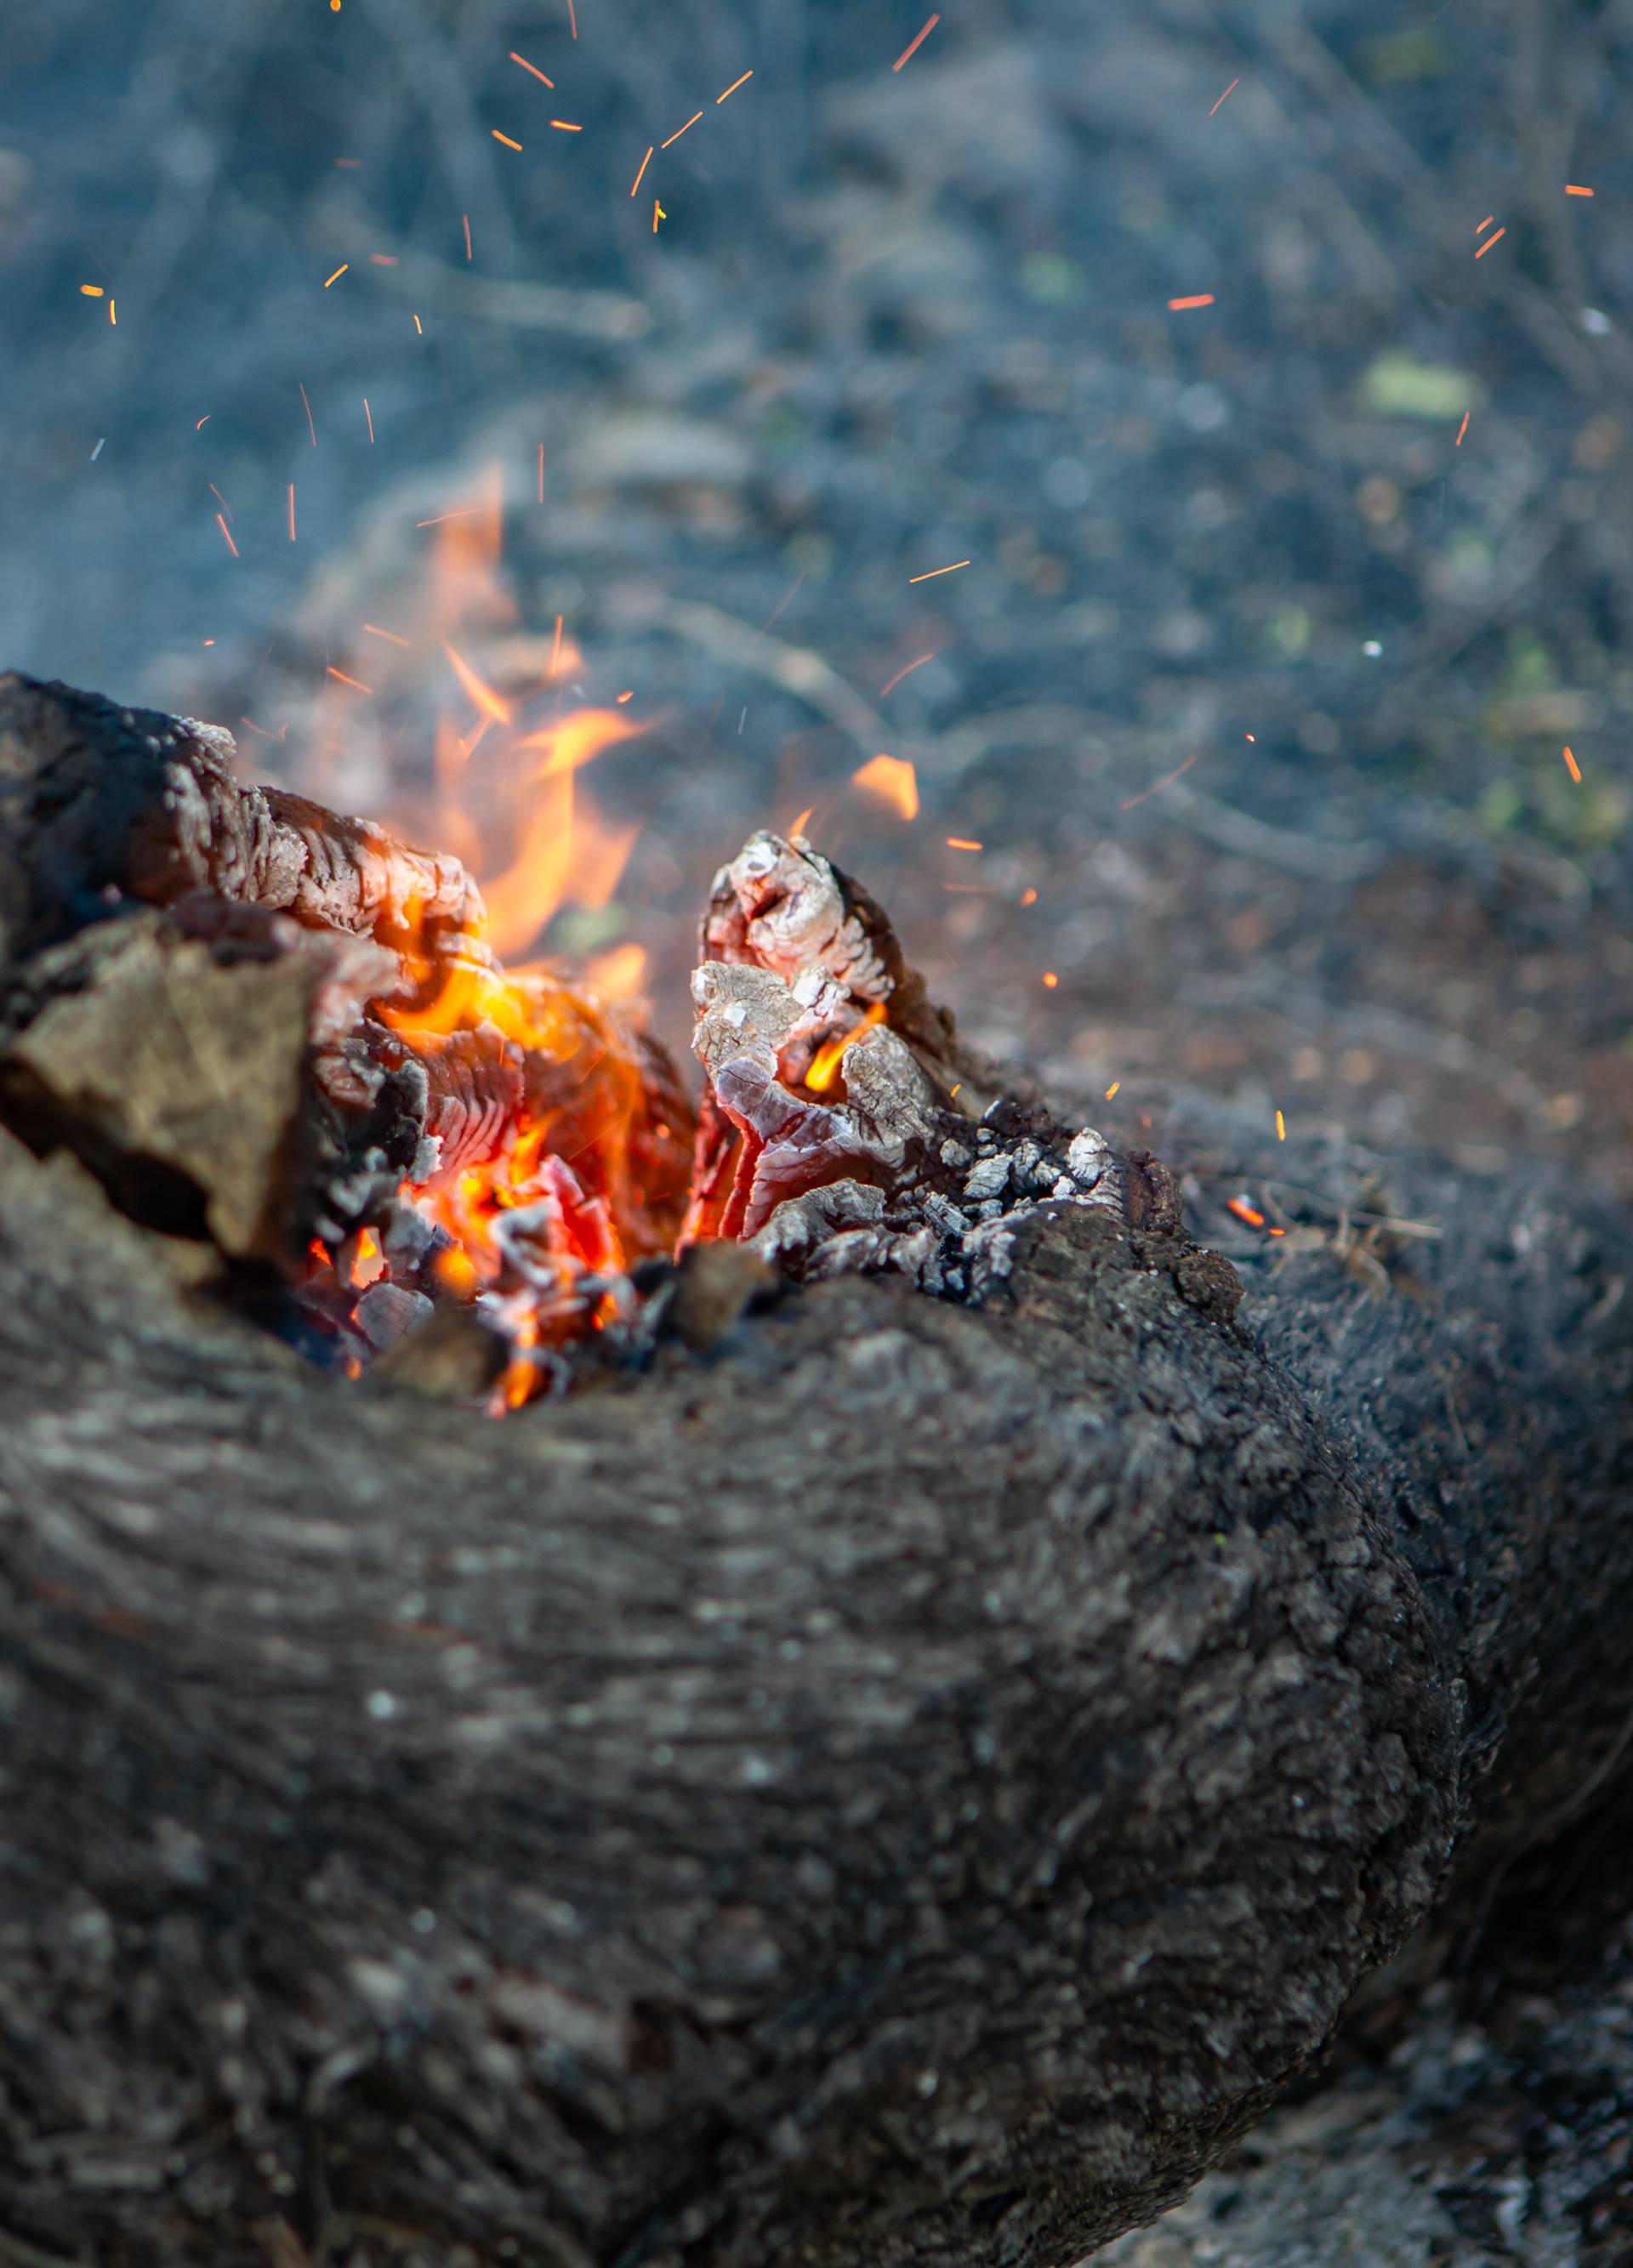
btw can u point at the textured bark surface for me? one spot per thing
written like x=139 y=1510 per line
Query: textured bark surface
x=902 y=1785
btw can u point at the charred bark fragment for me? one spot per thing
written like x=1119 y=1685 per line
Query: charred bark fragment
x=901 y=1782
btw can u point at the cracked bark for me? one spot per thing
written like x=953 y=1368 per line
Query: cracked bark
x=897 y=1783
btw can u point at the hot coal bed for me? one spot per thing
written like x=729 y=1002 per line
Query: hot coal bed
x=913 y=1726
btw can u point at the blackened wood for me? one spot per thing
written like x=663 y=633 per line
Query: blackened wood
x=902 y=1785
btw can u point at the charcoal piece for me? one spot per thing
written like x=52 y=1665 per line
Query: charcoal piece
x=386 y=1312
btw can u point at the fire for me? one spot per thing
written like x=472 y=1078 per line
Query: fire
x=558 y=1142
x=893 y=779
x=825 y=1062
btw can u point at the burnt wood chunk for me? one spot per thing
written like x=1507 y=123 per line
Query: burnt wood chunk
x=896 y=1781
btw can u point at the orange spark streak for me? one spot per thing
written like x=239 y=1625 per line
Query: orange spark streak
x=369 y=413
x=481 y=697
x=469 y=513
x=1112 y=1090
x=506 y=139
x=908 y=54
x=1573 y=767
x=220 y=499
x=675 y=137
x=1461 y=430
x=228 y=534
x=534 y=68
x=562 y=126
x=1281 y=1127
x=906 y=672
x=1157 y=786
x=748 y=75
x=1576 y=190
x=93 y=291
x=338 y=273
x=658 y=214
x=962 y=843
x=261 y=729
x=420 y=327
x=1486 y=222
x=555 y=655
x=1243 y=1211
x=1234 y=83
x=573 y=19
x=893 y=780
x=204 y=421
x=1029 y=897
x=1197 y=300
x=292 y=511
x=802 y=822
x=466 y=218
x=391 y=638
x=307 y=406
x=640 y=177
x=384 y=260
x=351 y=681
x=933 y=572
x=1050 y=979
x=1490 y=241
x=113 y=311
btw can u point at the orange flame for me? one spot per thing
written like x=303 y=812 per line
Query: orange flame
x=893 y=779
x=825 y=1062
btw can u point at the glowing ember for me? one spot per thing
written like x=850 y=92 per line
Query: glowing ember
x=894 y=781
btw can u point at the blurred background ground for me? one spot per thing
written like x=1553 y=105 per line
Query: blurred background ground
x=1279 y=611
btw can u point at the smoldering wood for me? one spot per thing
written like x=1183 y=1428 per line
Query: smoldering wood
x=898 y=1782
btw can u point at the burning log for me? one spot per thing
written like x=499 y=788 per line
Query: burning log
x=901 y=1772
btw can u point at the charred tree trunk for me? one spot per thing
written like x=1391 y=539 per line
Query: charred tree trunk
x=898 y=1782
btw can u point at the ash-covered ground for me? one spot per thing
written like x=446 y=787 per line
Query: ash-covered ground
x=1279 y=614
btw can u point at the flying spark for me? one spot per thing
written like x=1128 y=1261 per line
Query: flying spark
x=1485 y=224
x=640 y=177
x=93 y=291
x=908 y=54
x=466 y=218
x=369 y=413
x=292 y=511
x=227 y=535
x=384 y=260
x=1573 y=767
x=391 y=638
x=905 y=671
x=1576 y=190
x=1050 y=979
x=962 y=843
x=351 y=681
x=565 y=126
x=1230 y=89
x=113 y=311
x=534 y=68
x=1461 y=430
x=1281 y=1127
x=506 y=139
x=1197 y=300
x=930 y=575
x=658 y=214
x=1157 y=786
x=204 y=421
x=1116 y=1083
x=748 y=75
x=1490 y=241
x=307 y=406
x=1243 y=1211
x=469 y=513
x=572 y=21
x=338 y=273
x=675 y=137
